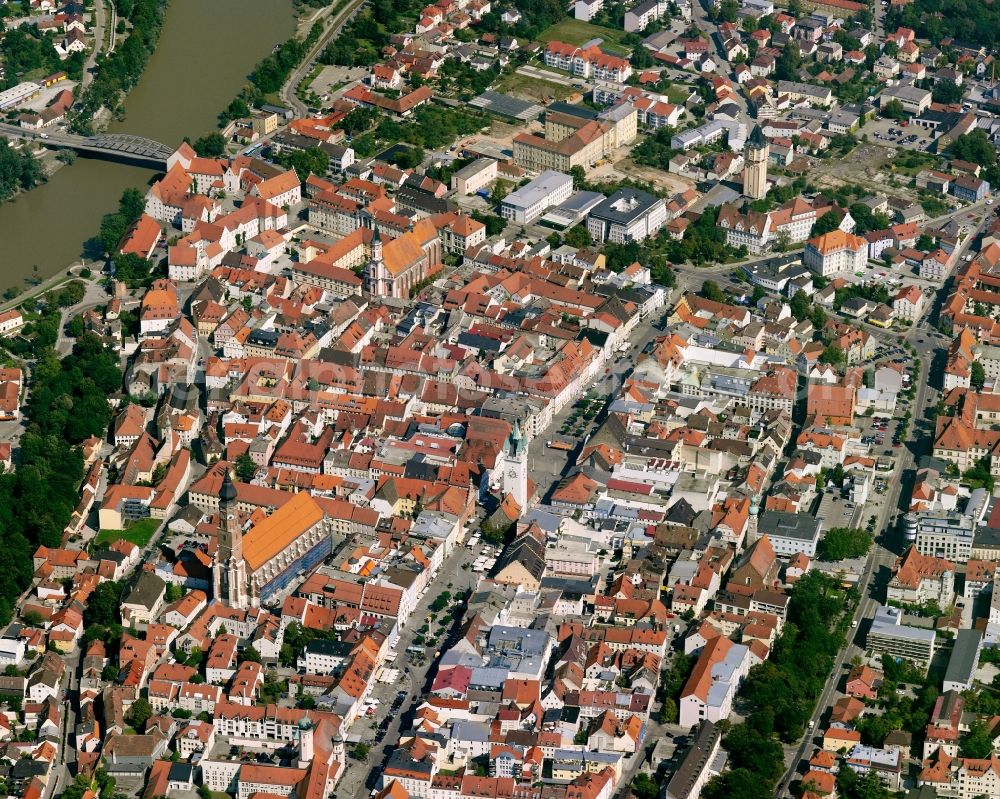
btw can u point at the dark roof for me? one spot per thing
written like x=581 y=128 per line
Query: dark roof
x=321 y=646
x=681 y=513
x=581 y=111
x=698 y=758
x=526 y=550
x=148 y=588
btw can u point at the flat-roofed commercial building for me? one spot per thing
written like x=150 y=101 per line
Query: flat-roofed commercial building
x=533 y=199
x=888 y=635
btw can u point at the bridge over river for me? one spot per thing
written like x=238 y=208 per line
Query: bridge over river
x=122 y=147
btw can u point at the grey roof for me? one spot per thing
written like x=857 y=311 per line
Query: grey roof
x=470 y=731
x=780 y=524
x=517 y=640
x=964 y=657
x=542 y=186
x=505 y=105
x=699 y=757
x=888 y=621
x=624 y=206
x=148 y=589
x=488 y=677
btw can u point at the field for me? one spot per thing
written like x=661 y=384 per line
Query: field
x=138 y=533
x=530 y=88
x=575 y=31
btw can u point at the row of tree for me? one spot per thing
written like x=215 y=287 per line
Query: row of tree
x=119 y=72
x=781 y=692
x=968 y=21
x=68 y=402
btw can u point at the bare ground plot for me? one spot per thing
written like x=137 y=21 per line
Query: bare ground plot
x=868 y=165
x=528 y=87
x=626 y=167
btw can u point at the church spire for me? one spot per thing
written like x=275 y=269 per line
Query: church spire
x=229 y=580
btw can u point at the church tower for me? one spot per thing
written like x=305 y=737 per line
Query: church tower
x=376 y=273
x=339 y=748
x=755 y=157
x=515 y=475
x=305 y=742
x=229 y=576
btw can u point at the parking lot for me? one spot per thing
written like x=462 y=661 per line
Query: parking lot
x=894 y=133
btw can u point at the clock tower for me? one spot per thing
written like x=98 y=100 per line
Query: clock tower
x=229 y=576
x=515 y=469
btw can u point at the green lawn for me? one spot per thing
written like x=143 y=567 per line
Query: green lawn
x=138 y=533
x=575 y=31
x=678 y=94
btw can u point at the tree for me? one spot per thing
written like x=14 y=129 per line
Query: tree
x=495 y=225
x=644 y=787
x=306 y=162
x=74 y=327
x=131 y=269
x=173 y=593
x=977 y=377
x=800 y=305
x=212 y=145
x=739 y=783
x=245 y=468
x=977 y=742
x=979 y=476
x=893 y=110
x=868 y=786
x=668 y=711
x=361 y=751
x=841 y=543
x=499 y=191
x=788 y=63
x=946 y=91
x=832 y=355
x=974 y=147
x=578 y=236
x=139 y=713
x=827 y=223
x=103 y=605
x=710 y=291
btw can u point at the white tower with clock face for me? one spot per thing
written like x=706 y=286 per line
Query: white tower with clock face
x=515 y=470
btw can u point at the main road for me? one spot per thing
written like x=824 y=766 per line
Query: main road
x=925 y=341
x=287 y=92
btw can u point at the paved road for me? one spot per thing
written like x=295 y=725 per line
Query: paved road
x=333 y=27
x=546 y=467
x=90 y=65
x=926 y=341
x=413 y=678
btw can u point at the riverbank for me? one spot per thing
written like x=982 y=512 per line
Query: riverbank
x=49 y=226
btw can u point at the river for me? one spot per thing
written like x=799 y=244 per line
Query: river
x=205 y=52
